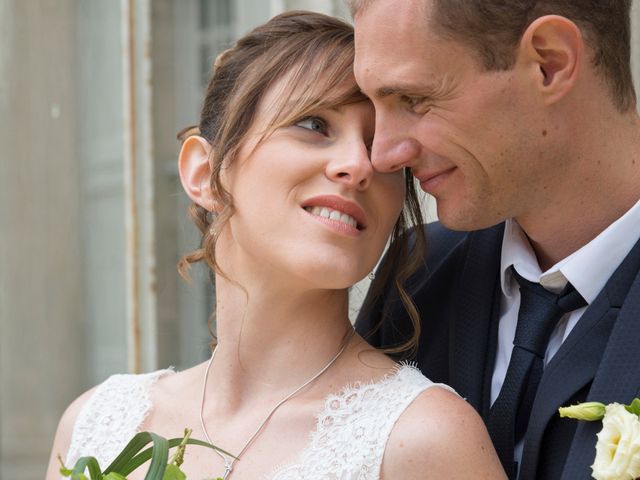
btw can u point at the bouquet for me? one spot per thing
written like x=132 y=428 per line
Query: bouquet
x=618 y=447
x=135 y=454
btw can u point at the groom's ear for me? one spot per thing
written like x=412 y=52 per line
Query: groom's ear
x=553 y=47
x=194 y=165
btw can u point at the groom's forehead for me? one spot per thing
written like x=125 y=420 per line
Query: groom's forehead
x=358 y=7
x=405 y=10
x=396 y=36
x=406 y=23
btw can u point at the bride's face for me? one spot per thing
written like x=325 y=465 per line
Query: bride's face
x=308 y=206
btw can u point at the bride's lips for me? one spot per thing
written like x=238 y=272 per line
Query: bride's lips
x=336 y=212
x=431 y=181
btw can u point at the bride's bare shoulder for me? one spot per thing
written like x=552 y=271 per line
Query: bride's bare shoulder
x=177 y=383
x=64 y=431
x=368 y=357
x=440 y=436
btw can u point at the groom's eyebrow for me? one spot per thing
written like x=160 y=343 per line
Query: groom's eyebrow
x=425 y=90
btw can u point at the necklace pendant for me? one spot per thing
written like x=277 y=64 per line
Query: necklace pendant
x=228 y=466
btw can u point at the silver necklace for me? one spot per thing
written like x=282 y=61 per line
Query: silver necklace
x=229 y=462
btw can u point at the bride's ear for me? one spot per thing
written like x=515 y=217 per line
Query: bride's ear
x=194 y=165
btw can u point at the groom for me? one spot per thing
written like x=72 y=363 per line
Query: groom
x=520 y=119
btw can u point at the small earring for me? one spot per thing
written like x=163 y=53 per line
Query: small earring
x=372 y=276
x=211 y=219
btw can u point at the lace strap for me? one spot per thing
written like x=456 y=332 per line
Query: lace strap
x=353 y=429
x=400 y=392
x=112 y=416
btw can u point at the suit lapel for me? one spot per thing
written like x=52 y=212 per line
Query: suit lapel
x=585 y=355
x=617 y=380
x=573 y=367
x=471 y=328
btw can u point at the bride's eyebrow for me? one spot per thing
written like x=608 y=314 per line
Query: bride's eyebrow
x=320 y=110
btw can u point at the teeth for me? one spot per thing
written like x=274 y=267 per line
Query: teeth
x=333 y=215
x=344 y=218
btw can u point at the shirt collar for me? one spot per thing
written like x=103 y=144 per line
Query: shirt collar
x=517 y=253
x=588 y=268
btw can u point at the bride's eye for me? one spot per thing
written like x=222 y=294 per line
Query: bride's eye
x=315 y=124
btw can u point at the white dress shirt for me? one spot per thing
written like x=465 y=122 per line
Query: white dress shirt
x=588 y=269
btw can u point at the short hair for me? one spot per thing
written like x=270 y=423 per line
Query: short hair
x=493 y=29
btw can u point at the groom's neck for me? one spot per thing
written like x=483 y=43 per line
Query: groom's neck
x=601 y=187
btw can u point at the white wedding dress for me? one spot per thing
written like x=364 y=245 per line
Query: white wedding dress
x=348 y=442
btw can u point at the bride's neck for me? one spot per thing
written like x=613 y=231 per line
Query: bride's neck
x=271 y=340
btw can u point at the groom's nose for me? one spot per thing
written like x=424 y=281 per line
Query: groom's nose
x=393 y=146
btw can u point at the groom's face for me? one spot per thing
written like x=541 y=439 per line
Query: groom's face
x=464 y=132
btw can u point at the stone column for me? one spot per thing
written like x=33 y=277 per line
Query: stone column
x=41 y=287
x=635 y=44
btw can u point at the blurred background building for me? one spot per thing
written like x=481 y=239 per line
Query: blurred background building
x=92 y=216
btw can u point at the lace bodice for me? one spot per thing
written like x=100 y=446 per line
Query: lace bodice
x=353 y=428
x=348 y=442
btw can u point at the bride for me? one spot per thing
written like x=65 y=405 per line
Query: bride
x=292 y=215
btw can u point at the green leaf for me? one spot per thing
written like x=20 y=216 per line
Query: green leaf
x=127 y=461
x=173 y=472
x=634 y=407
x=192 y=441
x=64 y=471
x=82 y=464
x=159 y=458
x=133 y=455
x=145 y=455
x=114 y=476
x=137 y=443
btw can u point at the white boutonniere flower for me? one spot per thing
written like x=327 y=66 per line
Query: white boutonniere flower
x=618 y=447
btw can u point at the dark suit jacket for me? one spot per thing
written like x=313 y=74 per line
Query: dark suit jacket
x=457 y=293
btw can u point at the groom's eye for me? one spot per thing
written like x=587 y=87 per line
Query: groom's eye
x=417 y=104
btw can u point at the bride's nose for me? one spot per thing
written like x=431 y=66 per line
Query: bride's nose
x=351 y=165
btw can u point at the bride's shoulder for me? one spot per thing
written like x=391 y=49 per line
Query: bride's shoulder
x=62 y=439
x=115 y=387
x=177 y=388
x=440 y=433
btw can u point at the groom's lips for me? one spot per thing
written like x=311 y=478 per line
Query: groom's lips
x=431 y=181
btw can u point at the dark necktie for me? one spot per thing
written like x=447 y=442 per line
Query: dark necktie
x=540 y=311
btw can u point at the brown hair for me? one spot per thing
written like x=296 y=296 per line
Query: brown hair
x=493 y=29
x=313 y=54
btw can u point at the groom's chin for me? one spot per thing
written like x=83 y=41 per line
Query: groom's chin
x=465 y=218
